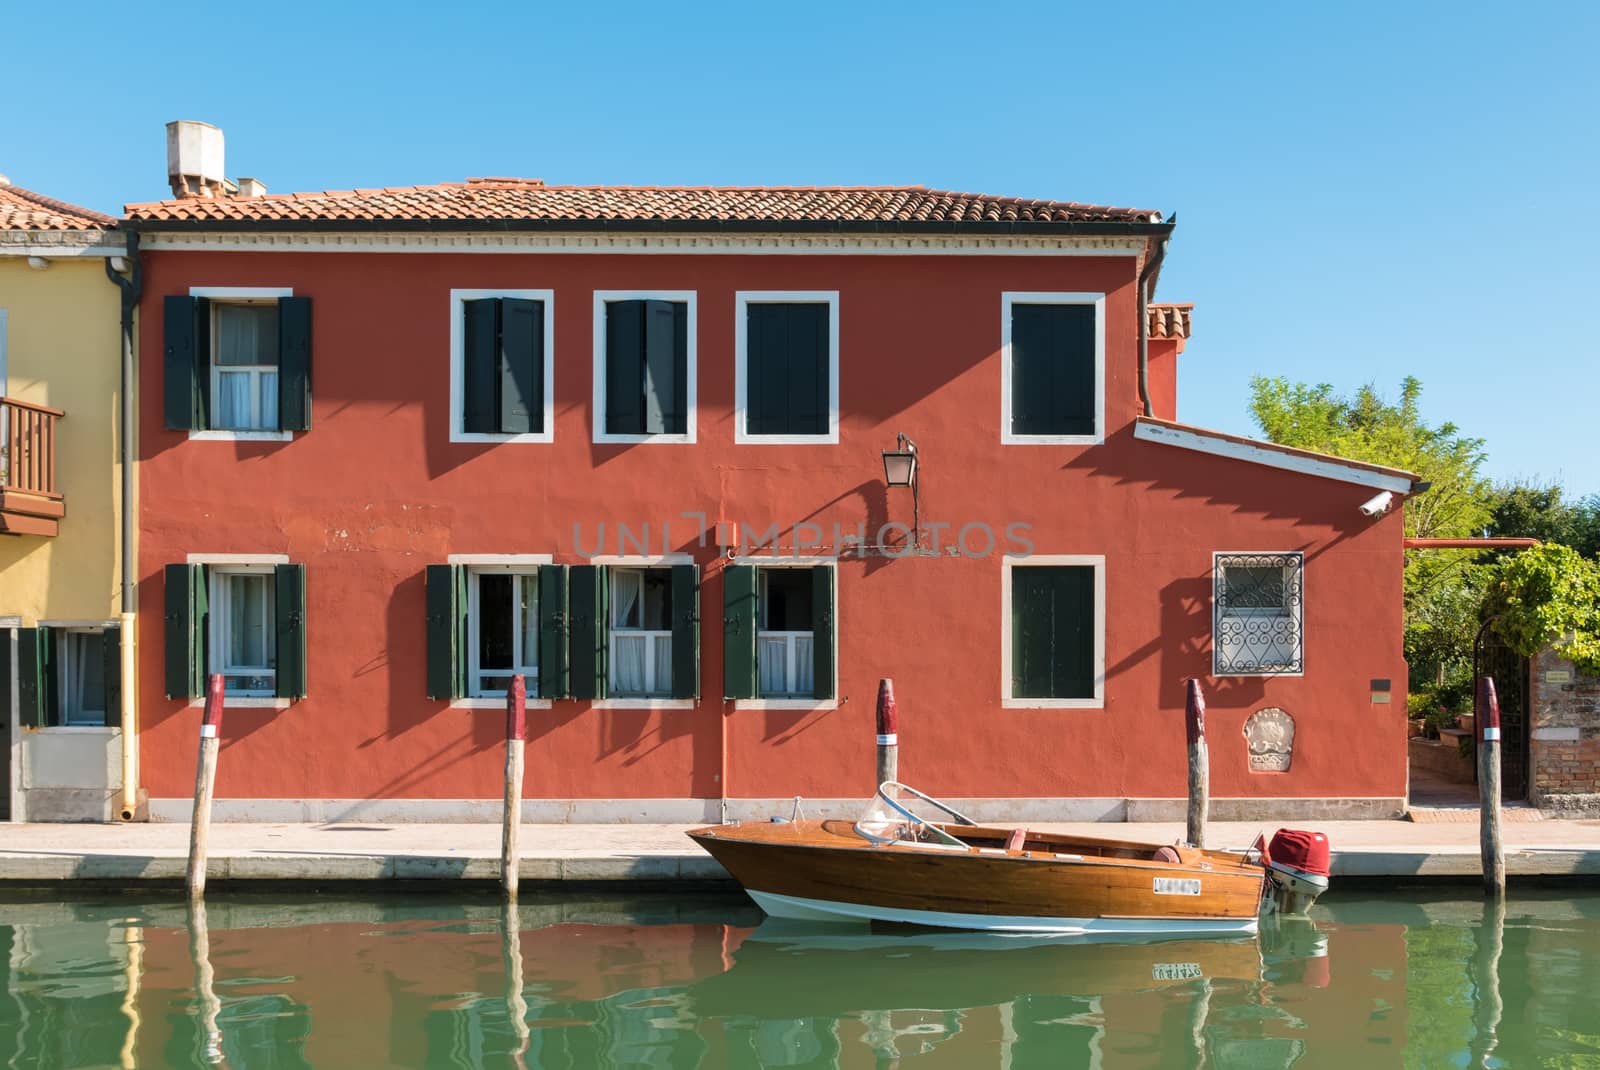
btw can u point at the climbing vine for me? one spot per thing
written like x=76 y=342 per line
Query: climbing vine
x=1548 y=596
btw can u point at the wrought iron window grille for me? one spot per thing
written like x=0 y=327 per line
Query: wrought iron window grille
x=1257 y=623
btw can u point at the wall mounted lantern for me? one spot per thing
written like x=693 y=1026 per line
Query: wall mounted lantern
x=900 y=470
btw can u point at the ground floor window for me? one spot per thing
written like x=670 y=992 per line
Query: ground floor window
x=242 y=621
x=778 y=631
x=244 y=646
x=1257 y=626
x=69 y=675
x=503 y=626
x=640 y=634
x=1055 y=607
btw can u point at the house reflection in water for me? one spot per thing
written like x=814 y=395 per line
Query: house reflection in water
x=407 y=984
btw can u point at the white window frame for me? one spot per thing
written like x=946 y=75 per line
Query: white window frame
x=1009 y=299
x=638 y=702
x=802 y=702
x=1220 y=560
x=80 y=626
x=227 y=563
x=742 y=300
x=458 y=351
x=1014 y=702
x=237 y=295
x=217 y=601
x=691 y=377
x=475 y=687
x=652 y=636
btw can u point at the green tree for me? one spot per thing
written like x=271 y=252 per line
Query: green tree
x=1439 y=586
x=1541 y=512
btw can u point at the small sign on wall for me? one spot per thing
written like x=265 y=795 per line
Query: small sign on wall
x=1558 y=676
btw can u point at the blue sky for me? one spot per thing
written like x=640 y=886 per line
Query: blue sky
x=1363 y=192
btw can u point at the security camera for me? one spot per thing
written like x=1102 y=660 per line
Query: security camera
x=1378 y=504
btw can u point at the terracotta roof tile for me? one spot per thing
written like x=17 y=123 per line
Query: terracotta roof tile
x=1170 y=321
x=22 y=209
x=511 y=200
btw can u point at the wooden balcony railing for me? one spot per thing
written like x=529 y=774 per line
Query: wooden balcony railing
x=29 y=501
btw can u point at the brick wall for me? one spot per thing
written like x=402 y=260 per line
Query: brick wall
x=1565 y=744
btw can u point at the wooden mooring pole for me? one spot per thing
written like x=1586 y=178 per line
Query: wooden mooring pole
x=888 y=733
x=511 y=818
x=205 y=779
x=1194 y=714
x=1494 y=855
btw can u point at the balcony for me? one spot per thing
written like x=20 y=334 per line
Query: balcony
x=29 y=502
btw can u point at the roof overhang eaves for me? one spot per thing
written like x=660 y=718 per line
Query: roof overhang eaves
x=1272 y=455
x=1087 y=228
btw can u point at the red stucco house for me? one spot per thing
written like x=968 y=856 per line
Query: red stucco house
x=398 y=444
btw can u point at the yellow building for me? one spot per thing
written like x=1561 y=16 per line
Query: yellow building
x=61 y=495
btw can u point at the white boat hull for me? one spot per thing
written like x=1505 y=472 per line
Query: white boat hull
x=800 y=909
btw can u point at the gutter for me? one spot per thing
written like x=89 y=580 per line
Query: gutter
x=1151 y=266
x=131 y=288
x=655 y=226
x=1491 y=543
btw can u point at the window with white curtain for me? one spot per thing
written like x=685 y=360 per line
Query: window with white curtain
x=83 y=677
x=502 y=632
x=244 y=366
x=784 y=661
x=640 y=634
x=244 y=640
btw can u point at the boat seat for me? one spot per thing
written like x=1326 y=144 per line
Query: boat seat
x=1015 y=841
x=1166 y=854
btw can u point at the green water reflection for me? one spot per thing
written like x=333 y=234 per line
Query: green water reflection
x=669 y=982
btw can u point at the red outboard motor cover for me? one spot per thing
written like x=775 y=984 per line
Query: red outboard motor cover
x=1305 y=851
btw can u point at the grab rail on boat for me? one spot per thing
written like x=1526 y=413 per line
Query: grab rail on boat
x=915 y=820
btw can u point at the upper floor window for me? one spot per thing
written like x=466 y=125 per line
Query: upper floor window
x=237 y=362
x=1053 y=368
x=786 y=367
x=501 y=368
x=644 y=367
x=1257 y=627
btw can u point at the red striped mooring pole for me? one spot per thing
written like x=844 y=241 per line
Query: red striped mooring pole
x=1493 y=851
x=888 y=733
x=511 y=817
x=205 y=780
x=1194 y=713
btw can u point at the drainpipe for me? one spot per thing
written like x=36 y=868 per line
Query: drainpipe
x=1150 y=268
x=130 y=287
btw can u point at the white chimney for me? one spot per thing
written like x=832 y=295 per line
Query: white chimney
x=194 y=159
x=251 y=187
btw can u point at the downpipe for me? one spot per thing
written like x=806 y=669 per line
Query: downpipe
x=1150 y=269
x=131 y=288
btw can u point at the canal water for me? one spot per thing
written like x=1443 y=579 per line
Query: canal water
x=1397 y=980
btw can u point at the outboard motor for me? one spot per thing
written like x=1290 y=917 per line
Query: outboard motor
x=1297 y=866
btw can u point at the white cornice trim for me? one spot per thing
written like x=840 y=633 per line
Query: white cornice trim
x=1271 y=457
x=52 y=244
x=674 y=244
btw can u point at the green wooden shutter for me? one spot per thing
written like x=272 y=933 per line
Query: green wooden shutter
x=685 y=631
x=186 y=371
x=294 y=363
x=553 y=640
x=33 y=674
x=181 y=655
x=660 y=369
x=480 y=372
x=1052 y=631
x=822 y=627
x=1053 y=384
x=587 y=606
x=445 y=584
x=290 y=609
x=624 y=413
x=111 y=666
x=787 y=373
x=5 y=669
x=521 y=366
x=739 y=622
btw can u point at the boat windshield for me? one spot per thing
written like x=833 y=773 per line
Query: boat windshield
x=889 y=819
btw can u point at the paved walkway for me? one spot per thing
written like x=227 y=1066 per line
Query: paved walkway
x=661 y=853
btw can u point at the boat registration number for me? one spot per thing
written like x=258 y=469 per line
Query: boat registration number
x=1175 y=971
x=1177 y=885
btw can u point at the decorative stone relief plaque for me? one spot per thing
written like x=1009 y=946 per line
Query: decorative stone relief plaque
x=1270 y=736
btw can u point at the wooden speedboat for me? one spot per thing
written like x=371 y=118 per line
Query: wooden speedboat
x=895 y=866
